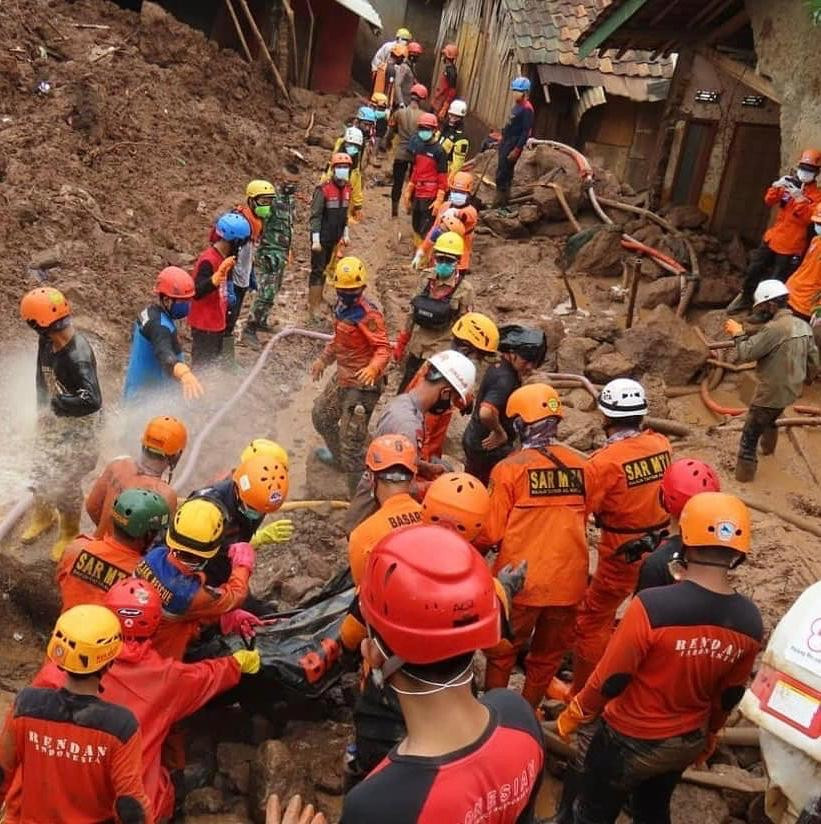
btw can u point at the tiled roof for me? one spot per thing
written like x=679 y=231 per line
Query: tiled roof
x=545 y=32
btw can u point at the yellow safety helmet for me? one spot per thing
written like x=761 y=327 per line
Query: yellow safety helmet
x=404 y=34
x=449 y=243
x=478 y=330
x=350 y=273
x=85 y=639
x=379 y=99
x=267 y=448
x=197 y=528
x=259 y=187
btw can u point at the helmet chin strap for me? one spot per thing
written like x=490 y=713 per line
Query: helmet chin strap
x=393 y=663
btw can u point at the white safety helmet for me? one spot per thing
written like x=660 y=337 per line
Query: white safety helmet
x=354 y=135
x=623 y=398
x=458 y=108
x=456 y=369
x=769 y=290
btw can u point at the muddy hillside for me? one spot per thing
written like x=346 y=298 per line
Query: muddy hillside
x=123 y=136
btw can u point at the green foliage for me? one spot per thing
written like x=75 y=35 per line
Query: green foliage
x=815 y=11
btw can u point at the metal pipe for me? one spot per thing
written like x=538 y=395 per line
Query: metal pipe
x=24 y=501
x=193 y=453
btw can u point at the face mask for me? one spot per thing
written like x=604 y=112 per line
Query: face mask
x=262 y=211
x=342 y=173
x=458 y=198
x=179 y=309
x=425 y=134
x=444 y=269
x=442 y=405
x=249 y=512
x=347 y=298
x=817 y=228
x=381 y=114
x=805 y=175
x=351 y=150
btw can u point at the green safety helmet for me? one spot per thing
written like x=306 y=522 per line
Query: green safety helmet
x=138 y=512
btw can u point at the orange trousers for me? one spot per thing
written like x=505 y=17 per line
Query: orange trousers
x=613 y=581
x=551 y=629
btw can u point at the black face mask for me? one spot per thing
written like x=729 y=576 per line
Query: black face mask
x=442 y=405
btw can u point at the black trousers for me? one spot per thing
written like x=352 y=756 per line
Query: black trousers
x=400 y=171
x=233 y=312
x=759 y=420
x=421 y=217
x=206 y=347
x=504 y=169
x=767 y=264
x=319 y=260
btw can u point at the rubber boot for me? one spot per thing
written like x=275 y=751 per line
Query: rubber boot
x=570 y=790
x=43 y=518
x=740 y=303
x=69 y=529
x=314 y=301
x=228 y=355
x=744 y=470
x=768 y=441
x=249 y=336
x=500 y=199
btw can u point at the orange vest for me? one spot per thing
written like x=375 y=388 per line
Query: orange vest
x=788 y=235
x=537 y=512
x=805 y=282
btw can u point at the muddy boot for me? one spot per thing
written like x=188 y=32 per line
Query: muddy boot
x=314 y=301
x=768 y=441
x=570 y=789
x=249 y=336
x=69 y=529
x=394 y=209
x=740 y=303
x=500 y=199
x=43 y=518
x=228 y=356
x=744 y=470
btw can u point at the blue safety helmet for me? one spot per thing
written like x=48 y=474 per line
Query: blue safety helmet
x=366 y=113
x=520 y=84
x=233 y=226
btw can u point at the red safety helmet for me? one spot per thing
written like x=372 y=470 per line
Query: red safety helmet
x=420 y=91
x=341 y=159
x=414 y=48
x=138 y=606
x=429 y=595
x=683 y=479
x=427 y=120
x=173 y=282
x=451 y=51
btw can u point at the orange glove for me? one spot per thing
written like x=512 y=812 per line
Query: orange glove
x=352 y=633
x=733 y=328
x=368 y=375
x=437 y=203
x=709 y=749
x=407 y=196
x=571 y=718
x=219 y=277
x=191 y=387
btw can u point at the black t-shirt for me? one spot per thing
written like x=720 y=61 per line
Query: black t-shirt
x=495 y=780
x=500 y=381
x=67 y=379
x=654 y=570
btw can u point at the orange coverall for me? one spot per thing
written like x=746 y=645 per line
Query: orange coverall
x=623 y=480
x=805 y=283
x=538 y=512
x=788 y=235
x=120 y=474
x=469 y=216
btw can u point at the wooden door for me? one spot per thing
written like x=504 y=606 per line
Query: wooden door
x=693 y=162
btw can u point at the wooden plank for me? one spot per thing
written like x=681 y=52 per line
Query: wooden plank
x=739 y=71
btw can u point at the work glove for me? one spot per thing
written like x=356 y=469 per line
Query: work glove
x=733 y=328
x=316 y=246
x=248 y=660
x=191 y=387
x=512 y=578
x=240 y=622
x=570 y=719
x=634 y=550
x=709 y=749
x=401 y=345
x=242 y=555
x=437 y=202
x=418 y=259
x=514 y=154
x=277 y=532
x=368 y=375
x=317 y=368
x=218 y=278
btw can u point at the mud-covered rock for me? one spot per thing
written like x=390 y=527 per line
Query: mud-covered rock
x=296 y=588
x=572 y=352
x=580 y=430
x=692 y=804
x=504 y=224
x=601 y=256
x=218 y=818
x=736 y=253
x=529 y=214
x=717 y=291
x=662 y=291
x=602 y=328
x=608 y=366
x=203 y=801
x=234 y=763
x=664 y=345
x=686 y=217
x=580 y=399
x=274 y=770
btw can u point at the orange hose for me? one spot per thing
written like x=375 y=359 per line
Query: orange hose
x=637 y=246
x=717 y=408
x=807 y=410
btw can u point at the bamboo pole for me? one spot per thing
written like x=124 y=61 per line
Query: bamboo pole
x=240 y=34
x=261 y=40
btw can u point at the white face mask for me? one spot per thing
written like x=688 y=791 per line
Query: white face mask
x=458 y=198
x=817 y=228
x=805 y=175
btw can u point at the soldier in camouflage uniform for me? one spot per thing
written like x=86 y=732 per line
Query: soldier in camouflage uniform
x=272 y=255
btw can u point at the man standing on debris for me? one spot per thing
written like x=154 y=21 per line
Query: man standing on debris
x=446 y=87
x=429 y=603
x=538 y=491
x=361 y=350
x=675 y=669
x=786 y=240
x=489 y=434
x=425 y=191
x=68 y=416
x=403 y=123
x=786 y=358
x=622 y=482
x=514 y=136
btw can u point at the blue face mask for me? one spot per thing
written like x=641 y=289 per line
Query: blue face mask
x=444 y=269
x=817 y=228
x=351 y=150
x=425 y=134
x=179 y=309
x=342 y=173
x=458 y=198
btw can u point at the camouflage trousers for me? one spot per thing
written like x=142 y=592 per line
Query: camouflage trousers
x=341 y=415
x=269 y=271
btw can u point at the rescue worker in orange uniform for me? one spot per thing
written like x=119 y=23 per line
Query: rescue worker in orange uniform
x=90 y=567
x=622 y=481
x=163 y=442
x=674 y=670
x=175 y=570
x=537 y=514
x=785 y=242
x=68 y=754
x=805 y=283
x=160 y=692
x=445 y=91
x=361 y=350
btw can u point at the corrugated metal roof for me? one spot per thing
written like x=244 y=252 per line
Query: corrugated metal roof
x=363 y=9
x=545 y=32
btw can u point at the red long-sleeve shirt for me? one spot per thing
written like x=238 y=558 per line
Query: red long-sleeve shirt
x=678 y=662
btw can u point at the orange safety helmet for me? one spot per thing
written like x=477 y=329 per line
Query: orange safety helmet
x=414 y=48
x=715 y=520
x=451 y=51
x=399 y=50
x=810 y=157
x=165 y=436
x=458 y=501
x=42 y=307
x=419 y=90
x=174 y=282
x=390 y=451
x=534 y=402
x=462 y=182
x=261 y=483
x=341 y=159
